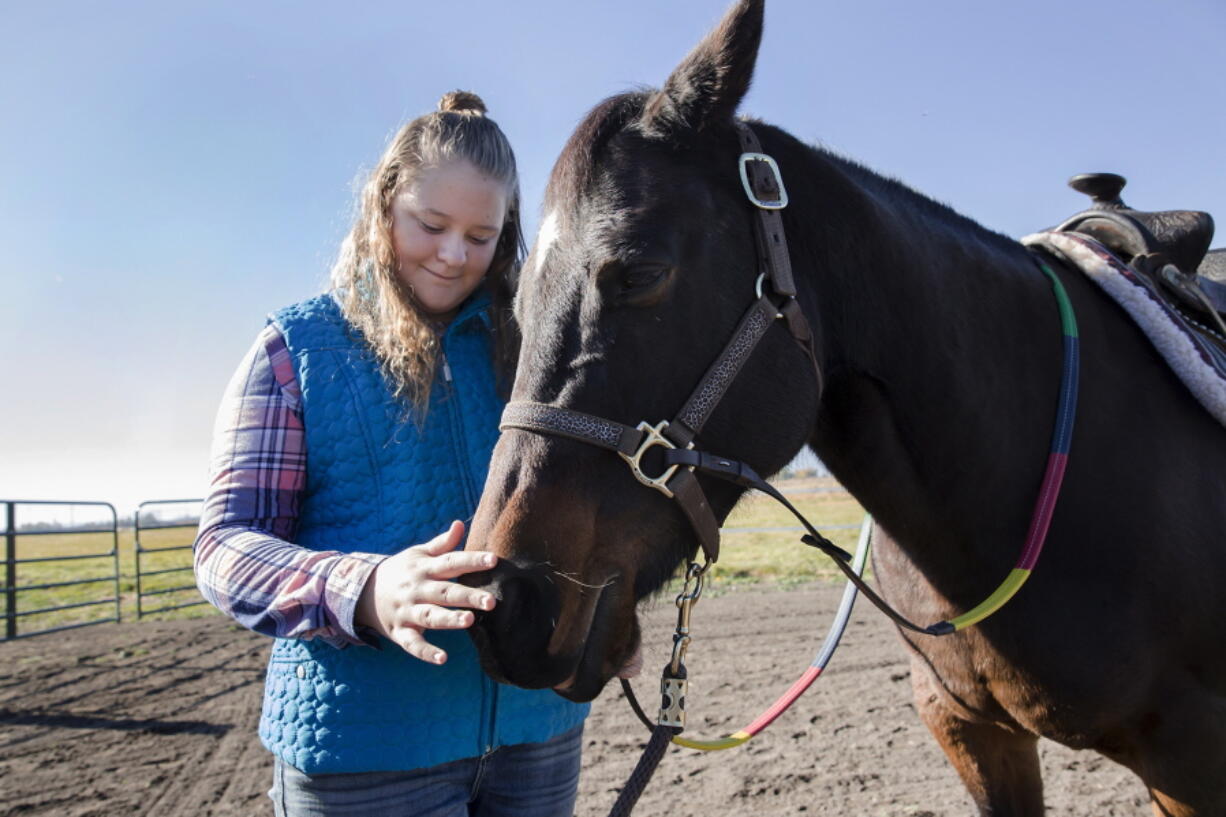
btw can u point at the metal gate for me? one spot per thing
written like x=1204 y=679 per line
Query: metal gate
x=40 y=567
x=173 y=535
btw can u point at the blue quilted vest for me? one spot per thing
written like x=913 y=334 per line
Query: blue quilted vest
x=378 y=483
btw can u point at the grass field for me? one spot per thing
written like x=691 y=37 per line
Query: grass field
x=751 y=552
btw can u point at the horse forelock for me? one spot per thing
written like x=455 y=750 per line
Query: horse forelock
x=576 y=166
x=540 y=298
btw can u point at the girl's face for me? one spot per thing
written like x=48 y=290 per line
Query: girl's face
x=445 y=226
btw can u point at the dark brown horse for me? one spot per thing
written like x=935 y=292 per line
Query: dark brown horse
x=940 y=346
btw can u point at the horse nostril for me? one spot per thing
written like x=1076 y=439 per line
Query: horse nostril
x=479 y=578
x=527 y=605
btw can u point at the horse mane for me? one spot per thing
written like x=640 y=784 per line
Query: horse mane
x=575 y=169
x=905 y=199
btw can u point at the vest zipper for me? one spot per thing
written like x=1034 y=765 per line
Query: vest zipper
x=457 y=435
x=488 y=687
x=492 y=733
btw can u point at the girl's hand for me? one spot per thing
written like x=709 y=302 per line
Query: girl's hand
x=408 y=593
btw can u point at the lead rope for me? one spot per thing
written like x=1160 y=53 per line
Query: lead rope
x=672 y=692
x=673 y=689
x=643 y=770
x=824 y=654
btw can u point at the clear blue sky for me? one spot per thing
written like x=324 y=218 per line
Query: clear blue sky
x=171 y=172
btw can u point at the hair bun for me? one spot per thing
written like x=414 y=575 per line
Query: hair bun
x=462 y=102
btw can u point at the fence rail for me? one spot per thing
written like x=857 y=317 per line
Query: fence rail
x=13 y=589
x=144 y=523
x=151 y=544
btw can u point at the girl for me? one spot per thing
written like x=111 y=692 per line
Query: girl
x=361 y=422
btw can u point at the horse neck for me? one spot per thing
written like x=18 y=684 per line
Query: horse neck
x=942 y=349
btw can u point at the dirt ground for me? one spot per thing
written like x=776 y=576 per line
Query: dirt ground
x=160 y=719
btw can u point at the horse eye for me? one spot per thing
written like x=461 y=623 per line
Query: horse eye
x=637 y=278
x=639 y=283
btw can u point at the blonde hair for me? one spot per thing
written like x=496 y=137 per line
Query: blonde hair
x=372 y=297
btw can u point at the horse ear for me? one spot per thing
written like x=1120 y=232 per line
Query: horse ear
x=708 y=85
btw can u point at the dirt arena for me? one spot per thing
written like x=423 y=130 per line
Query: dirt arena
x=160 y=719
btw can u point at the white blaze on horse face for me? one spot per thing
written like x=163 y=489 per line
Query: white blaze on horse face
x=545 y=237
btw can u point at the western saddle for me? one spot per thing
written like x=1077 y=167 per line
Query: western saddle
x=1169 y=249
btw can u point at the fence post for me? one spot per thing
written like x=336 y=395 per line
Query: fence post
x=136 y=550
x=10 y=571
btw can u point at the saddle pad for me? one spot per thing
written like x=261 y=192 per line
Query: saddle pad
x=1198 y=362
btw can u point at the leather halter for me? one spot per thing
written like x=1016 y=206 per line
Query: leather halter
x=764 y=188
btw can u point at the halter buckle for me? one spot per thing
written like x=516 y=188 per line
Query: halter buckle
x=780 y=201
x=655 y=436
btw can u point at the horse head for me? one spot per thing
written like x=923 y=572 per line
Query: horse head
x=643 y=266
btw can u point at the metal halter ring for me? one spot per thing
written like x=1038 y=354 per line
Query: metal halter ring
x=655 y=436
x=757 y=288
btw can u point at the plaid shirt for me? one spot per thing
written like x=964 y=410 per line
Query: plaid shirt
x=246 y=564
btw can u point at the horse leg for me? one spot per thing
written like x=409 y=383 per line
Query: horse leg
x=999 y=766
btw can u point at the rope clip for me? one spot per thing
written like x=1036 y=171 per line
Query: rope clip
x=673 y=682
x=686 y=599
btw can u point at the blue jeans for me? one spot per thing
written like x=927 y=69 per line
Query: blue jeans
x=524 y=780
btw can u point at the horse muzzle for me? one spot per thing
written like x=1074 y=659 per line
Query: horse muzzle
x=520 y=641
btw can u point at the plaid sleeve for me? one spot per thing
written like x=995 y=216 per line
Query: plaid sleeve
x=245 y=562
